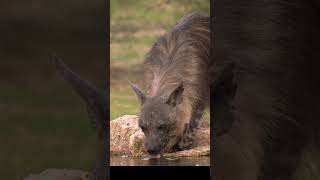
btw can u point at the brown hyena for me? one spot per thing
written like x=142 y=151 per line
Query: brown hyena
x=177 y=85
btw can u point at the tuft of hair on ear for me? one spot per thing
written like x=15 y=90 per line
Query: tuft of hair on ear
x=175 y=96
x=139 y=92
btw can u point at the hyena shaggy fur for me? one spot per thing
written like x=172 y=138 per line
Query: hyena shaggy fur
x=176 y=76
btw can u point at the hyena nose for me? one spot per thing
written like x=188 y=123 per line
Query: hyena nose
x=153 y=150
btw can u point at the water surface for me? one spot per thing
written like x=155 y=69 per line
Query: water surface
x=163 y=161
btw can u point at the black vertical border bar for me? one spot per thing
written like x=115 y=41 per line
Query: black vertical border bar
x=212 y=17
x=107 y=60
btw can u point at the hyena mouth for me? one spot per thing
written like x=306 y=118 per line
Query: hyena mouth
x=158 y=156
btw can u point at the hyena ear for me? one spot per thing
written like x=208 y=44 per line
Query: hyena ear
x=97 y=106
x=222 y=91
x=175 y=96
x=96 y=102
x=139 y=92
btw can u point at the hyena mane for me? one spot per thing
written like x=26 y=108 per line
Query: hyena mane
x=182 y=56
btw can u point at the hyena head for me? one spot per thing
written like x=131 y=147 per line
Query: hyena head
x=160 y=120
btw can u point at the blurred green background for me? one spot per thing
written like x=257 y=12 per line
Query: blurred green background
x=134 y=27
x=43 y=122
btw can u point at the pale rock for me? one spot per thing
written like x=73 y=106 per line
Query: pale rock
x=127 y=138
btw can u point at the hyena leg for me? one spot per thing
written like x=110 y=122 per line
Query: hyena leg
x=238 y=154
x=283 y=158
x=232 y=161
x=186 y=141
x=282 y=166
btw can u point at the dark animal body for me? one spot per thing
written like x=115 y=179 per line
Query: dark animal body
x=176 y=71
x=265 y=93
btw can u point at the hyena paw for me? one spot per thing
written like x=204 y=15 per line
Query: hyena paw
x=187 y=141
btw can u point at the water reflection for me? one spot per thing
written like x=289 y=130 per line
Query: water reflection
x=144 y=161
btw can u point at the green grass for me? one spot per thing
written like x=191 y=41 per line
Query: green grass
x=125 y=101
x=135 y=26
x=151 y=13
x=43 y=129
x=43 y=123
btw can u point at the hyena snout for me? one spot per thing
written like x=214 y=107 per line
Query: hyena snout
x=153 y=145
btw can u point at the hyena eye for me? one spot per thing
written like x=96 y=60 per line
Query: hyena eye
x=162 y=127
